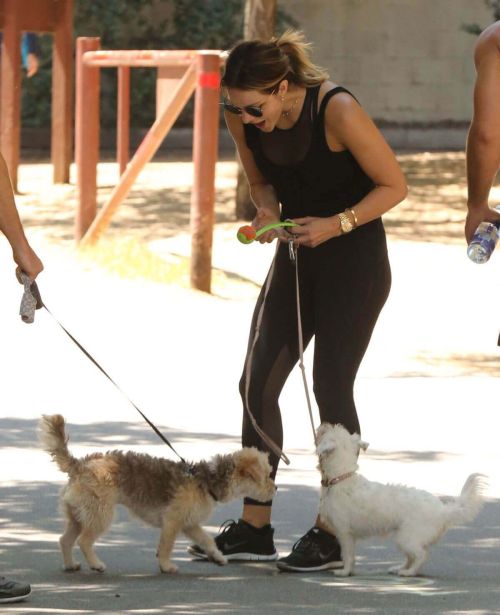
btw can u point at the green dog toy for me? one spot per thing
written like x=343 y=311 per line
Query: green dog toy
x=247 y=234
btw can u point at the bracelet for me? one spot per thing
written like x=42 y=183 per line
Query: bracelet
x=346 y=226
x=353 y=213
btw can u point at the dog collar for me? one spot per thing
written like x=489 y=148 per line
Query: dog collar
x=336 y=479
x=191 y=471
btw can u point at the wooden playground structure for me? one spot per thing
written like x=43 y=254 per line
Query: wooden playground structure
x=56 y=17
x=179 y=74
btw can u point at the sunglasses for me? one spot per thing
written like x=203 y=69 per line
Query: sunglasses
x=252 y=110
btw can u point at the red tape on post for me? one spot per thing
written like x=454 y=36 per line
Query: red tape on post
x=209 y=80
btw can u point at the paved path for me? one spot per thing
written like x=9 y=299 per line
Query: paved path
x=427 y=396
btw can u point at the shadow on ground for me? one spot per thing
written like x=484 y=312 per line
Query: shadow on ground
x=31 y=526
x=462 y=571
x=435 y=207
x=155 y=209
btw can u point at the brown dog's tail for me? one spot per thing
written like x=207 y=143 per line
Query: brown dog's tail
x=53 y=438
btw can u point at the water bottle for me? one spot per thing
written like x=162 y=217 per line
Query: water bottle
x=484 y=241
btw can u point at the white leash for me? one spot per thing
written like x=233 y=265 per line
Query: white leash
x=293 y=253
x=248 y=366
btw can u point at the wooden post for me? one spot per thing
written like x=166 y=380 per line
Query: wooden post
x=205 y=142
x=87 y=135
x=11 y=89
x=123 y=118
x=62 y=89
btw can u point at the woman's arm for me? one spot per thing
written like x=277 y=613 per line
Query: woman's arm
x=483 y=141
x=262 y=193
x=11 y=227
x=347 y=126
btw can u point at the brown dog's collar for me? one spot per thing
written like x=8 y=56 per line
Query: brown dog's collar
x=336 y=479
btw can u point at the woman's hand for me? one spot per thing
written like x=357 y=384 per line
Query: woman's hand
x=266 y=216
x=476 y=216
x=311 y=231
x=27 y=261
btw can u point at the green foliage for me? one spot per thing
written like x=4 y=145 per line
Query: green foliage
x=133 y=24
x=476 y=29
x=110 y=20
x=494 y=5
x=209 y=24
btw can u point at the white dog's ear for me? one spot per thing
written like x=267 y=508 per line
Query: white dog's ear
x=361 y=443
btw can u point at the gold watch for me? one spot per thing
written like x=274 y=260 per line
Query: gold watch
x=346 y=226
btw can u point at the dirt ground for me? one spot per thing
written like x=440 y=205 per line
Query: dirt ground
x=149 y=238
x=158 y=205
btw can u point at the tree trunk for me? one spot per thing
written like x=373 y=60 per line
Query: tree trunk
x=260 y=20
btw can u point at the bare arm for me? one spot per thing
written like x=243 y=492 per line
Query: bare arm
x=483 y=142
x=11 y=226
x=262 y=193
x=349 y=127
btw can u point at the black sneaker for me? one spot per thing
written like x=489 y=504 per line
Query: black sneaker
x=238 y=540
x=12 y=591
x=316 y=550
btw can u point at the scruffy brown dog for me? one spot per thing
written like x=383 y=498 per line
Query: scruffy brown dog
x=173 y=496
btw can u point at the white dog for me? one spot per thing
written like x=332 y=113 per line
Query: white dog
x=355 y=507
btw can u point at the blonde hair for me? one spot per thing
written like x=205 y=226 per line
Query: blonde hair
x=258 y=65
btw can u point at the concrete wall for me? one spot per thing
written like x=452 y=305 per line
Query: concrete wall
x=408 y=61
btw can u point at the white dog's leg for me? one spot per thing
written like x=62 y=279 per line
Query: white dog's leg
x=347 y=547
x=407 y=564
x=68 y=539
x=170 y=530
x=206 y=542
x=414 y=547
x=414 y=563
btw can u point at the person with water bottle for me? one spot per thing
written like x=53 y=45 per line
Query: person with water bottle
x=483 y=145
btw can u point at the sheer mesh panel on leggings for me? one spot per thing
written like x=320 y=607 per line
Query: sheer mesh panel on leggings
x=268 y=415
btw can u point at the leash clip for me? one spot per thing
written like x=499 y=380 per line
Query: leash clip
x=292 y=251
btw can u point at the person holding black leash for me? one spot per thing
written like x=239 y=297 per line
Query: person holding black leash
x=311 y=154
x=26 y=260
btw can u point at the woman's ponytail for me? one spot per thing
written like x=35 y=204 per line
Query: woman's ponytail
x=255 y=65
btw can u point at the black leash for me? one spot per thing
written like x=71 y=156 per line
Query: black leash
x=32 y=301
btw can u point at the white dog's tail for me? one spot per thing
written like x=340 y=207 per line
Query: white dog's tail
x=53 y=438
x=470 y=501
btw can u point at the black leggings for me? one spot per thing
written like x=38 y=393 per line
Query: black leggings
x=344 y=284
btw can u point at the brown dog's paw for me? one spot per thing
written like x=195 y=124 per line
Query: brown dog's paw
x=99 y=568
x=73 y=568
x=168 y=568
x=218 y=558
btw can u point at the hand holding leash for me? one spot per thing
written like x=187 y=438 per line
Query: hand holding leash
x=31 y=299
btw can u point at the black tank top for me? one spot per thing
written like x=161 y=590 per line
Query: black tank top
x=310 y=179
